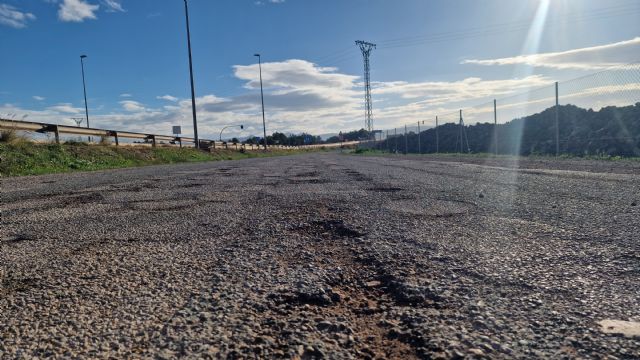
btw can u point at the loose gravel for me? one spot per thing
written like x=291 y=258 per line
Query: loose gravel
x=323 y=256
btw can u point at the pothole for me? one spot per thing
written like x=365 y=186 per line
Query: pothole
x=431 y=207
x=18 y=238
x=306 y=180
x=385 y=189
x=81 y=199
x=337 y=228
x=161 y=205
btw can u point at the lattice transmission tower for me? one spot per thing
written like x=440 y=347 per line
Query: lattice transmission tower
x=366 y=48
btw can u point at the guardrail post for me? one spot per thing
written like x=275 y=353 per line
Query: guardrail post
x=153 y=140
x=50 y=128
x=114 y=134
x=57 y=133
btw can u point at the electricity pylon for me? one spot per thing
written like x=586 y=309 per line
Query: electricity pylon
x=366 y=48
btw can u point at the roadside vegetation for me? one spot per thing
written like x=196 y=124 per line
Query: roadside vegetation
x=602 y=157
x=19 y=156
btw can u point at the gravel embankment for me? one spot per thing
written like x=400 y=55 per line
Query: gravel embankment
x=321 y=255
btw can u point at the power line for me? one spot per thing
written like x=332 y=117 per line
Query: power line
x=344 y=54
x=504 y=27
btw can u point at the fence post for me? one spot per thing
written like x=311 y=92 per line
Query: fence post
x=437 y=139
x=388 y=143
x=395 y=134
x=495 y=125
x=406 y=141
x=557 y=122
x=419 y=145
x=461 y=130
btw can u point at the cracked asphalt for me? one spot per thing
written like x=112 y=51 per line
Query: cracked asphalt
x=323 y=255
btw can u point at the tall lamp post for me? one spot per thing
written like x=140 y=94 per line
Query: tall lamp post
x=193 y=91
x=264 y=124
x=84 y=88
x=228 y=126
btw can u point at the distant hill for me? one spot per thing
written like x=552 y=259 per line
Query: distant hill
x=610 y=131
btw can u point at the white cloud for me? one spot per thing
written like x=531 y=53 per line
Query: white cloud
x=298 y=84
x=65 y=108
x=302 y=96
x=125 y=95
x=113 y=5
x=39 y=98
x=589 y=58
x=167 y=97
x=450 y=92
x=13 y=17
x=132 y=106
x=77 y=10
x=262 y=2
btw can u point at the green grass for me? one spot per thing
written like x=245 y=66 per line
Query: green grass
x=27 y=158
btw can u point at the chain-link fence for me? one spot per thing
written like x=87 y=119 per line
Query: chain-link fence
x=598 y=114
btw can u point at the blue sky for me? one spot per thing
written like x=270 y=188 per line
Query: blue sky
x=433 y=57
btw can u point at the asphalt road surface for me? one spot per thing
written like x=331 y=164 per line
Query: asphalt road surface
x=323 y=255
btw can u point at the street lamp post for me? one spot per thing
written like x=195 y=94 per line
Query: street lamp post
x=193 y=91
x=228 y=126
x=84 y=88
x=264 y=124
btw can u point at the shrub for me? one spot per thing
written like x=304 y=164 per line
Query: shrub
x=9 y=136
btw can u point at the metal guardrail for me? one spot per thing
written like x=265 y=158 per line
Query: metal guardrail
x=44 y=128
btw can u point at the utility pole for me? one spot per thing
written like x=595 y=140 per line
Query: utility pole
x=193 y=91
x=77 y=120
x=264 y=124
x=365 y=48
x=84 y=87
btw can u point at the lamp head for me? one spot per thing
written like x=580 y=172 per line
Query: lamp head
x=258 y=55
x=83 y=56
